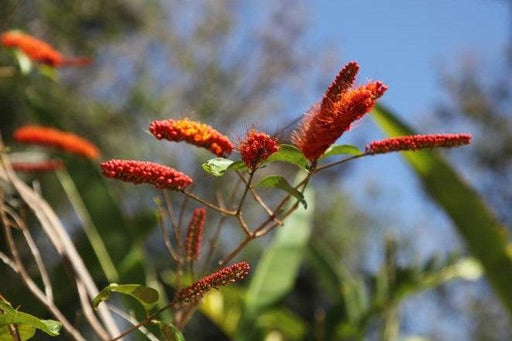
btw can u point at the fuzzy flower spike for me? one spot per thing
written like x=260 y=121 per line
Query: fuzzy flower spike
x=256 y=148
x=39 y=51
x=224 y=276
x=417 y=142
x=138 y=172
x=196 y=133
x=51 y=137
x=341 y=106
x=195 y=234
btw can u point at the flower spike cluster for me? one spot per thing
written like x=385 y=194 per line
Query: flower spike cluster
x=196 y=133
x=416 y=142
x=341 y=106
x=138 y=172
x=39 y=51
x=52 y=137
x=195 y=234
x=256 y=148
x=224 y=276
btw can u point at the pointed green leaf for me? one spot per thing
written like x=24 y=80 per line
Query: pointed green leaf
x=217 y=166
x=12 y=316
x=237 y=165
x=290 y=154
x=483 y=233
x=169 y=331
x=148 y=297
x=276 y=181
x=342 y=149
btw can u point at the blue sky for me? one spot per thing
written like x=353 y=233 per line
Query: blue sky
x=403 y=41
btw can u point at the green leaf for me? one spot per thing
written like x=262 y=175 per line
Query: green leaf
x=276 y=181
x=169 y=331
x=25 y=331
x=217 y=166
x=148 y=297
x=290 y=154
x=237 y=165
x=28 y=322
x=483 y=233
x=342 y=149
x=277 y=270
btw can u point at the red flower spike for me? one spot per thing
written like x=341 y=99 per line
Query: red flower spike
x=338 y=110
x=34 y=167
x=138 y=172
x=224 y=276
x=39 y=51
x=52 y=137
x=196 y=133
x=195 y=234
x=416 y=142
x=256 y=148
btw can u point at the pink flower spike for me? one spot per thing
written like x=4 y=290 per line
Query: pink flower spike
x=195 y=234
x=137 y=172
x=417 y=142
x=224 y=276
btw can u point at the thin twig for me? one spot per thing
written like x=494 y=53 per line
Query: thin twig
x=130 y=319
x=210 y=205
x=239 y=248
x=88 y=311
x=9 y=262
x=29 y=283
x=165 y=234
x=34 y=250
x=143 y=322
x=257 y=197
x=339 y=162
x=246 y=190
x=57 y=235
x=213 y=242
x=90 y=229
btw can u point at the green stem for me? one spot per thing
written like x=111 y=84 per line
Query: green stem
x=89 y=228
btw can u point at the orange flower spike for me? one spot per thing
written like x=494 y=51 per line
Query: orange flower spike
x=417 y=142
x=196 y=133
x=256 y=148
x=39 y=51
x=340 y=107
x=52 y=137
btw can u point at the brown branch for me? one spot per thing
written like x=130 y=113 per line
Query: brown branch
x=210 y=205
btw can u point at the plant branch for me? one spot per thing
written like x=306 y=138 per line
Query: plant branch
x=210 y=205
x=90 y=229
x=132 y=321
x=339 y=162
x=29 y=283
